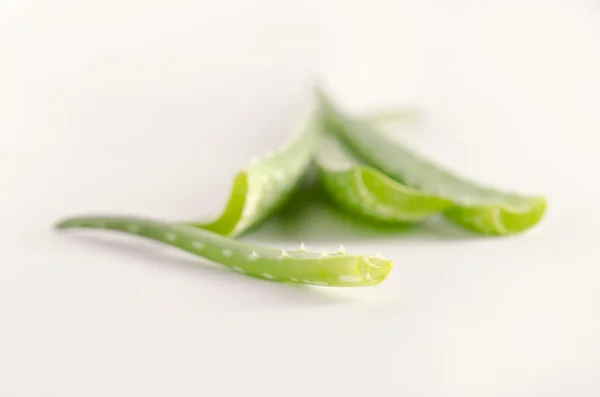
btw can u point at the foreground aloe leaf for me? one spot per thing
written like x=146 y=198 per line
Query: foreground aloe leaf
x=364 y=190
x=296 y=266
x=475 y=207
x=267 y=183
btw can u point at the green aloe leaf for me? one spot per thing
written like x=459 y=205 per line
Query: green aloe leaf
x=294 y=266
x=267 y=183
x=474 y=206
x=364 y=190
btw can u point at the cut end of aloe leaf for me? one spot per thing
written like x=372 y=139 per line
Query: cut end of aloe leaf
x=499 y=219
x=376 y=270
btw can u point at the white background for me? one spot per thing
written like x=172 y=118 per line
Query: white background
x=150 y=107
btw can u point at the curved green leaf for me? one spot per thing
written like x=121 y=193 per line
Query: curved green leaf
x=363 y=190
x=294 y=266
x=267 y=183
x=475 y=207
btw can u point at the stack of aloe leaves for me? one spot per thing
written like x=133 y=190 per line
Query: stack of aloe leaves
x=367 y=174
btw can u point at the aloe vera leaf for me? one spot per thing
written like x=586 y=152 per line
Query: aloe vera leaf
x=267 y=183
x=475 y=207
x=365 y=191
x=295 y=266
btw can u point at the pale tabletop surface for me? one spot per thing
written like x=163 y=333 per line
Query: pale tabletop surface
x=134 y=107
